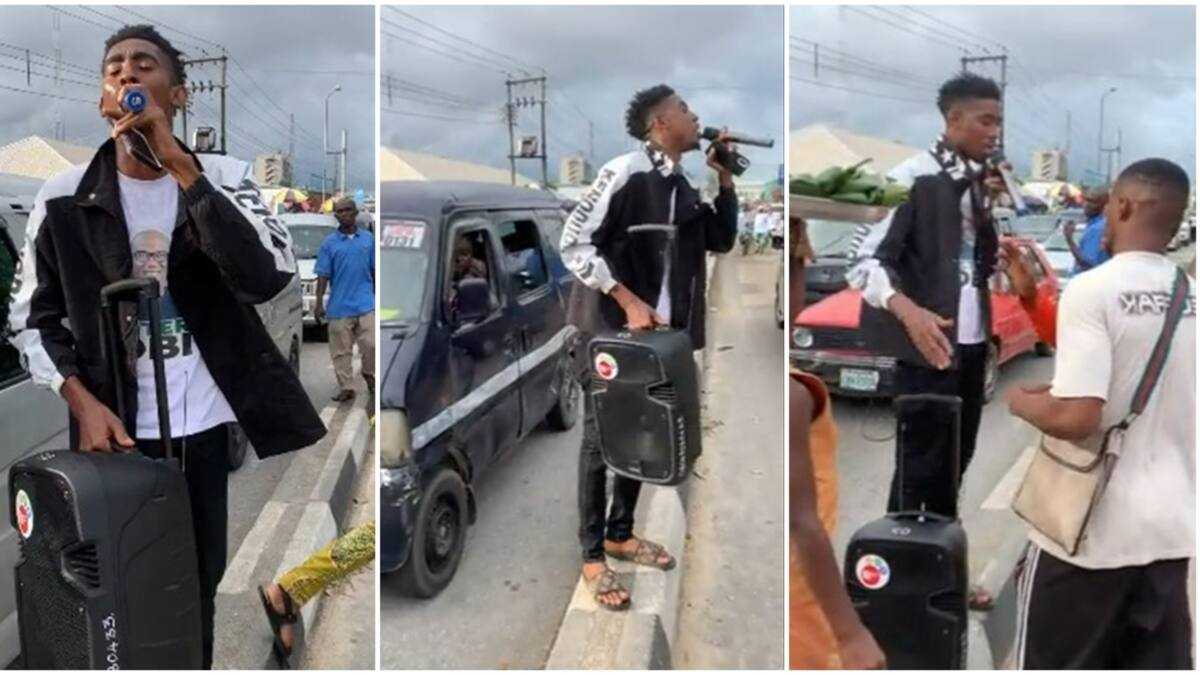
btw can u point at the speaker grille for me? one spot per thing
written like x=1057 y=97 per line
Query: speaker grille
x=664 y=392
x=52 y=613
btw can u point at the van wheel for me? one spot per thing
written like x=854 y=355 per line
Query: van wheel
x=238 y=444
x=565 y=412
x=991 y=371
x=1043 y=349
x=438 y=537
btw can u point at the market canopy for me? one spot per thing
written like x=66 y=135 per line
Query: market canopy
x=818 y=146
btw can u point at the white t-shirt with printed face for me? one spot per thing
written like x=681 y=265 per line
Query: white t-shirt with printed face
x=1109 y=319
x=970 y=309
x=196 y=404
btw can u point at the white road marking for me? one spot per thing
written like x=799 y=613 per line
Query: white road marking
x=1002 y=495
x=240 y=570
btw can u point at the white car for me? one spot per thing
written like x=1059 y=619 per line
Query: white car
x=308 y=230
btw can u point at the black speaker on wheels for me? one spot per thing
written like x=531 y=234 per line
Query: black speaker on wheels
x=107 y=577
x=906 y=573
x=646 y=396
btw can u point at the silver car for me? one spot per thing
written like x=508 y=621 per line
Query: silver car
x=308 y=230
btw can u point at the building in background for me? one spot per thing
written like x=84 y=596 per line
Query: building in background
x=41 y=157
x=273 y=170
x=574 y=170
x=1048 y=165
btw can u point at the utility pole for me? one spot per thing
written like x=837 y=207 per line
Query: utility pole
x=526 y=102
x=1002 y=59
x=342 y=163
x=292 y=135
x=591 y=142
x=1068 y=145
x=1109 y=152
x=204 y=87
x=1100 y=135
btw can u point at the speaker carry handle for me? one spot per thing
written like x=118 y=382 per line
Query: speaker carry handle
x=921 y=516
x=110 y=298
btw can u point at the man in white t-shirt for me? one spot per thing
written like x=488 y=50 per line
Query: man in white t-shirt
x=1126 y=588
x=147 y=206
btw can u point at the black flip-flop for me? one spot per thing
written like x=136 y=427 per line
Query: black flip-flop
x=281 y=651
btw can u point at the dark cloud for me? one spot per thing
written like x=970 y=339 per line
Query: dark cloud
x=727 y=62
x=1061 y=58
x=296 y=55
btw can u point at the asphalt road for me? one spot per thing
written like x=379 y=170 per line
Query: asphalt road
x=732 y=605
x=521 y=562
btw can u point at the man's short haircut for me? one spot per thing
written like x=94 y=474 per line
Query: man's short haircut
x=150 y=34
x=637 y=116
x=344 y=201
x=964 y=87
x=1171 y=183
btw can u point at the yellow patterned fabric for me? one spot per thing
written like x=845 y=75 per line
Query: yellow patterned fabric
x=341 y=558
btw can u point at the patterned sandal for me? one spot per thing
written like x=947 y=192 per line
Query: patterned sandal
x=289 y=616
x=647 y=553
x=604 y=583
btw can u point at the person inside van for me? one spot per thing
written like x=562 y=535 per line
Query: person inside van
x=633 y=290
x=199 y=221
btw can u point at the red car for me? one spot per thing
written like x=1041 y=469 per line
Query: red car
x=826 y=340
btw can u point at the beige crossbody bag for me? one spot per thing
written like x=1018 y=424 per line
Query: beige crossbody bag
x=1065 y=480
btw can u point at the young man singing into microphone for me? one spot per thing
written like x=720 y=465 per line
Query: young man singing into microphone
x=199 y=227
x=636 y=291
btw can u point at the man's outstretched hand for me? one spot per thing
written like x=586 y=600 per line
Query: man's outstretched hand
x=100 y=430
x=925 y=329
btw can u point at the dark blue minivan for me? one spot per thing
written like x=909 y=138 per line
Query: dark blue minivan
x=475 y=353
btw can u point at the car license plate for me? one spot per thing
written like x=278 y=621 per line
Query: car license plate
x=859 y=380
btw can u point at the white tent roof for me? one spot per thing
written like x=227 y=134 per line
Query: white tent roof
x=396 y=164
x=818 y=146
x=39 y=157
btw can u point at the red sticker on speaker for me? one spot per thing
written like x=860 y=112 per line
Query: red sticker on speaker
x=873 y=572
x=24 y=511
x=606 y=366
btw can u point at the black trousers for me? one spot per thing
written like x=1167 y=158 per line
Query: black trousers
x=926 y=459
x=1127 y=618
x=594 y=527
x=206 y=467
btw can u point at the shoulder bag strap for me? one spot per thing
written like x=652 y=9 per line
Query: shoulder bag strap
x=1158 y=357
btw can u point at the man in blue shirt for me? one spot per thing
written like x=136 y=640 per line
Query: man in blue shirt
x=346 y=263
x=1089 y=252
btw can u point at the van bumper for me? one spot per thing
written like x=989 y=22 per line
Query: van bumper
x=399 y=496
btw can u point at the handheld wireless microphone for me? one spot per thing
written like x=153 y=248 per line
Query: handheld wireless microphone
x=134 y=100
x=712 y=133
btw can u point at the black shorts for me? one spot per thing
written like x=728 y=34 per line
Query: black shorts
x=1070 y=617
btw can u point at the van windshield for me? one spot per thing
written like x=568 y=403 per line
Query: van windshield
x=403 y=262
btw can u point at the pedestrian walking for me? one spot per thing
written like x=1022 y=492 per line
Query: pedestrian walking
x=1127 y=582
x=346 y=266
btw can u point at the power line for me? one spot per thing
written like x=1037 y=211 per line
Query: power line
x=958 y=35
x=956 y=28
x=523 y=67
x=169 y=27
x=46 y=94
x=856 y=91
x=410 y=113
x=461 y=57
x=859 y=73
x=906 y=29
x=821 y=51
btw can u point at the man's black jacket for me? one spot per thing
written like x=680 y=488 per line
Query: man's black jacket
x=644 y=187
x=919 y=246
x=227 y=254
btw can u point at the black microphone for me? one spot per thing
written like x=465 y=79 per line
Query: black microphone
x=712 y=133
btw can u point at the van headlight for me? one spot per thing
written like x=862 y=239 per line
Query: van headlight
x=802 y=338
x=395 y=438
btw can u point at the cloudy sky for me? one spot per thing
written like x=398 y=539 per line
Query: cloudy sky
x=289 y=57
x=727 y=62
x=1060 y=59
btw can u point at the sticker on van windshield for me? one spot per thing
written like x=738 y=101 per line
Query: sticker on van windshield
x=24 y=511
x=403 y=234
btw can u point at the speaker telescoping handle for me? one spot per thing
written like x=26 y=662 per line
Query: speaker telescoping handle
x=110 y=298
x=672 y=244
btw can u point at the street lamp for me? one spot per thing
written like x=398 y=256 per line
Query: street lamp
x=325 y=135
x=1100 y=142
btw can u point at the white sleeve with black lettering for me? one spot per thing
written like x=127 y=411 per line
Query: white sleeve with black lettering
x=38 y=314
x=238 y=231
x=588 y=223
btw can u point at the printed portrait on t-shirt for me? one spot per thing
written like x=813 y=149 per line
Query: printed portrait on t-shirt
x=150 y=249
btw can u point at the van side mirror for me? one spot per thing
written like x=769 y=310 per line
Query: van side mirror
x=472 y=301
